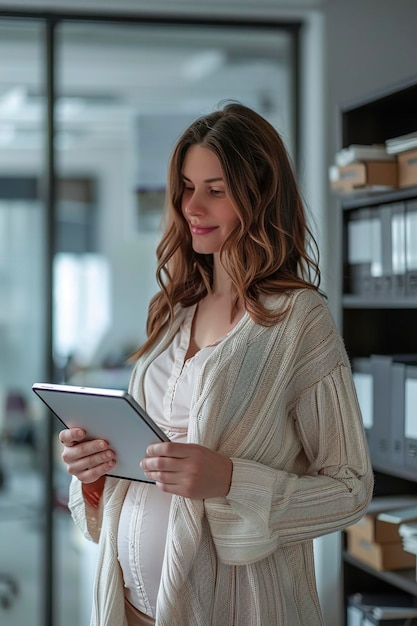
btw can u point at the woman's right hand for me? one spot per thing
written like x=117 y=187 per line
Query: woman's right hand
x=88 y=460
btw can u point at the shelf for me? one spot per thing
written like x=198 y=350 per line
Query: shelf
x=375 y=198
x=376 y=330
x=359 y=302
x=376 y=322
x=407 y=473
x=404 y=579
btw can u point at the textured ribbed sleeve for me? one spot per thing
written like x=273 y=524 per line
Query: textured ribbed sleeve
x=315 y=477
x=329 y=490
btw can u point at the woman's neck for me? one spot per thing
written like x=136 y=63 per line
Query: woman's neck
x=222 y=283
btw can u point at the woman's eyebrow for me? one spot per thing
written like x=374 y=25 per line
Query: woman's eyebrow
x=208 y=180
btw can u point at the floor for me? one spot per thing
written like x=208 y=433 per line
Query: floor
x=22 y=546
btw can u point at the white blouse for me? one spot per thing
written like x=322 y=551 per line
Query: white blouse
x=169 y=385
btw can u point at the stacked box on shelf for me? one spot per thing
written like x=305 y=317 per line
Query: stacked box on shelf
x=407 y=168
x=378 y=543
x=364 y=175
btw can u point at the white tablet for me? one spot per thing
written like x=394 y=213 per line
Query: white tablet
x=108 y=414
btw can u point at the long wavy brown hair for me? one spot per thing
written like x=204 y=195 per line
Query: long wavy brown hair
x=270 y=251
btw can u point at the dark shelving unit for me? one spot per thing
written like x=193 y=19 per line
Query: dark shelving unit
x=378 y=324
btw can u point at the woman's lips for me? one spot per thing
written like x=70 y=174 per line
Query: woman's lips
x=202 y=230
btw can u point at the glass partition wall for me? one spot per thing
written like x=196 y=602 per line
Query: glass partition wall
x=23 y=342
x=122 y=94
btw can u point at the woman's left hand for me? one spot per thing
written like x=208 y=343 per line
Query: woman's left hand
x=188 y=469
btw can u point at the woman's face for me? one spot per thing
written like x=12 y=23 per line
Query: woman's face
x=205 y=202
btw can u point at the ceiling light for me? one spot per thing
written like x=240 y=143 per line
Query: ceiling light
x=70 y=107
x=203 y=64
x=12 y=100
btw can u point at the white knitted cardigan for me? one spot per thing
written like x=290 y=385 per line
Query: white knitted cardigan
x=280 y=402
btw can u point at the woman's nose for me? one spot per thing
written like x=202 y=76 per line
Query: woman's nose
x=192 y=204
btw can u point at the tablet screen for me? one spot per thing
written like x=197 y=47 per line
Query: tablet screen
x=108 y=414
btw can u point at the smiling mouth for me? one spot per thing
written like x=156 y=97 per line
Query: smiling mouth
x=202 y=230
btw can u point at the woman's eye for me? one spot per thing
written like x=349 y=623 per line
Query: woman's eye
x=217 y=192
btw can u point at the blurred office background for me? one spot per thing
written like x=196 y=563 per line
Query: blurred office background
x=92 y=98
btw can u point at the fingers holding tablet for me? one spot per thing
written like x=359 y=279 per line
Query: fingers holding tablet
x=85 y=459
x=71 y=436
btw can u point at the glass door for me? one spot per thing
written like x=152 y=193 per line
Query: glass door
x=125 y=92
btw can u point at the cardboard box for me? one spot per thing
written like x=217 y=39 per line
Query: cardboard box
x=407 y=168
x=380 y=556
x=374 y=530
x=366 y=174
